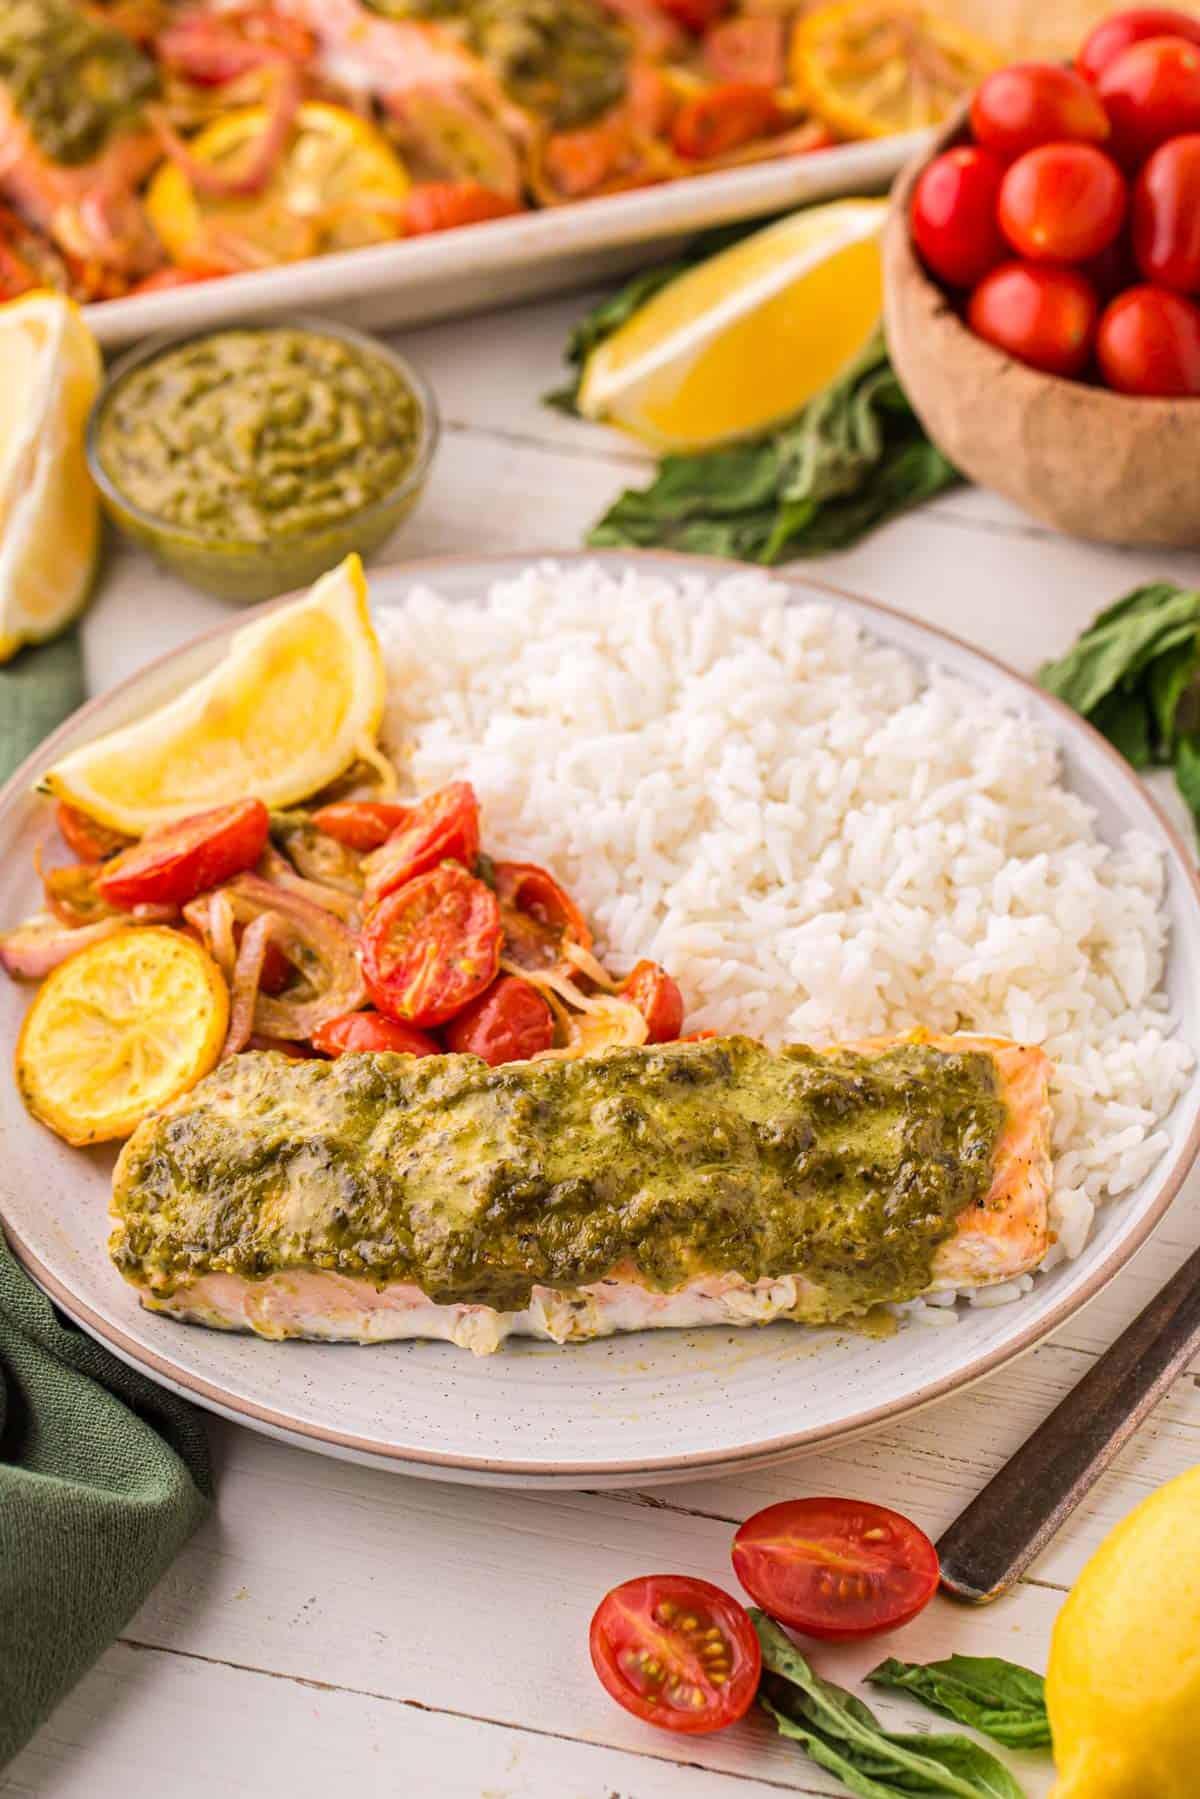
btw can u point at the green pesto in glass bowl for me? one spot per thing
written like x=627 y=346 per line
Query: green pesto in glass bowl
x=252 y=457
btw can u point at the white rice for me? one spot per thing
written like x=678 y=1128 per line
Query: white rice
x=819 y=839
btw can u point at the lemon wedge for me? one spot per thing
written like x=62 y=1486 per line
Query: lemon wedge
x=118 y=1030
x=284 y=713
x=49 y=520
x=338 y=184
x=748 y=336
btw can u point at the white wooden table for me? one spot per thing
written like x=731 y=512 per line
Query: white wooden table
x=333 y=1630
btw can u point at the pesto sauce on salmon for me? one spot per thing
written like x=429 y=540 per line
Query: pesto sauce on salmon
x=478 y=1183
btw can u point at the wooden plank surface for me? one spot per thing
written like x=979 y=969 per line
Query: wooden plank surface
x=339 y=1629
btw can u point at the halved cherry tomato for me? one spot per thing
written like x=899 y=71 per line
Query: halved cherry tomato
x=1041 y=315
x=658 y=999
x=836 y=1568
x=361 y=824
x=953 y=214
x=1115 y=34
x=443 y=205
x=86 y=837
x=163 y=280
x=371 y=1031
x=1148 y=343
x=1166 y=215
x=752 y=47
x=696 y=15
x=1062 y=202
x=727 y=116
x=171 y=866
x=443 y=827
x=508 y=1023
x=677 y=1652
x=577 y=162
x=1034 y=103
x=537 y=915
x=432 y=946
x=1152 y=93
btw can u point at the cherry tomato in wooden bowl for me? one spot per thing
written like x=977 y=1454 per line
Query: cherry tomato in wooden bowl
x=677 y=1652
x=836 y=1568
x=538 y=916
x=508 y=1023
x=171 y=866
x=1062 y=203
x=1043 y=316
x=371 y=1032
x=1151 y=93
x=1034 y=103
x=1148 y=343
x=361 y=825
x=953 y=214
x=1115 y=34
x=432 y=946
x=443 y=827
x=657 y=997
x=1166 y=216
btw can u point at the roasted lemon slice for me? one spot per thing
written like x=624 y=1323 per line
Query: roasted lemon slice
x=118 y=1030
x=747 y=337
x=873 y=67
x=287 y=710
x=49 y=376
x=338 y=184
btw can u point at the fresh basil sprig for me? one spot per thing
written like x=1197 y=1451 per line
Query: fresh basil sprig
x=844 y=1736
x=1002 y=1699
x=1133 y=674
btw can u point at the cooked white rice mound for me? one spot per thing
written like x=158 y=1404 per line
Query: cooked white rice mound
x=817 y=837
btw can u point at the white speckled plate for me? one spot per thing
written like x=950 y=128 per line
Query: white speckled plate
x=656 y=1405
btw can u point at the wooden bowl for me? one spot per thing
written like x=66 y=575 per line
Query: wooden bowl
x=1090 y=462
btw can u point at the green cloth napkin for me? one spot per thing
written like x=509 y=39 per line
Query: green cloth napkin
x=103 y=1476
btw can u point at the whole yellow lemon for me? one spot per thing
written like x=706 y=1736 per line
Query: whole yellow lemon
x=1123 y=1685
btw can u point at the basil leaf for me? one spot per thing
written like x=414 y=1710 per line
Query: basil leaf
x=1121 y=643
x=844 y=1736
x=1002 y=1699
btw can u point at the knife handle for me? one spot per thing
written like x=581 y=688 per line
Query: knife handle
x=995 y=1539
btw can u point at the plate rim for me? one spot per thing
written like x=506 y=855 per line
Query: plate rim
x=380 y=1452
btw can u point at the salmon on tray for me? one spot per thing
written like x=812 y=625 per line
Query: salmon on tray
x=705 y=1182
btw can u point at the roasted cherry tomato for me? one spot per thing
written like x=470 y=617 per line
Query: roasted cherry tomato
x=1062 y=203
x=1115 y=34
x=658 y=999
x=752 y=47
x=696 y=15
x=508 y=1023
x=361 y=824
x=443 y=827
x=163 y=280
x=1166 y=215
x=1152 y=93
x=432 y=946
x=537 y=916
x=836 y=1568
x=1034 y=103
x=171 y=866
x=1043 y=316
x=1148 y=342
x=85 y=837
x=677 y=1652
x=371 y=1031
x=953 y=215
x=442 y=205
x=724 y=118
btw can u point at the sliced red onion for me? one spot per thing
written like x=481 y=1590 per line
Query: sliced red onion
x=254 y=176
x=318 y=945
x=42 y=942
x=280 y=873
x=247 y=973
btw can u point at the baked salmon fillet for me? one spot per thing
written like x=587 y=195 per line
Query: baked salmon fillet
x=716 y=1182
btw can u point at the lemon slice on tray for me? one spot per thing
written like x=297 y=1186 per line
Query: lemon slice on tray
x=118 y=1030
x=289 y=707
x=338 y=184
x=870 y=68
x=49 y=376
x=747 y=337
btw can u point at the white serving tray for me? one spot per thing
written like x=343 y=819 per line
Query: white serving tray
x=496 y=264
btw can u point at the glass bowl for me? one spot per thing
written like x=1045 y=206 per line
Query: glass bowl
x=256 y=569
